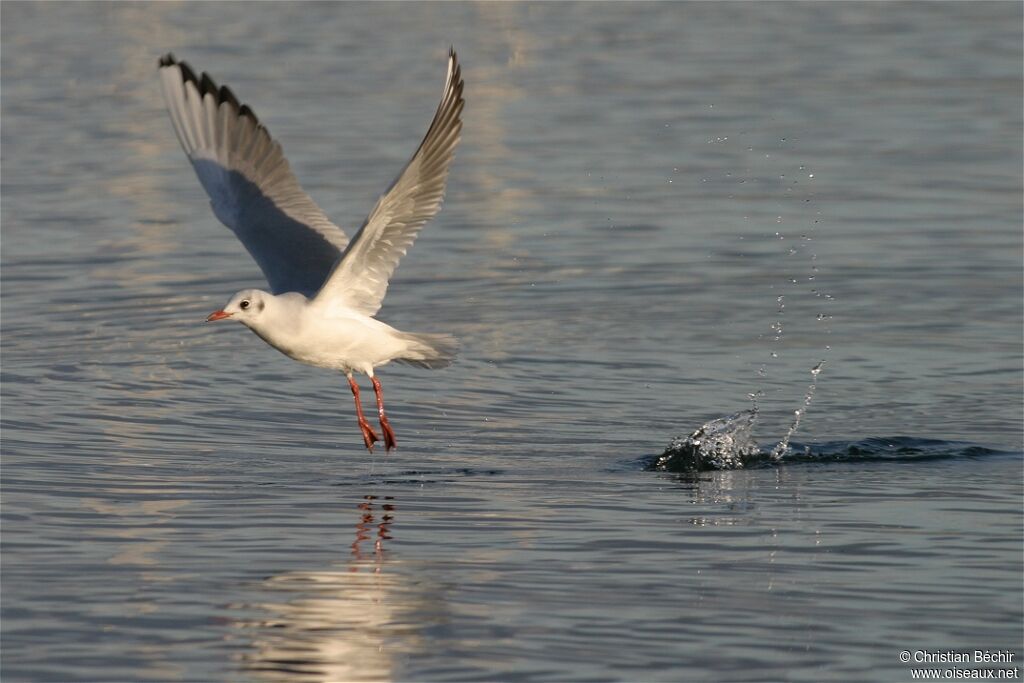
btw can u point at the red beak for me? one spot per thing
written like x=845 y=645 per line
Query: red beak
x=217 y=315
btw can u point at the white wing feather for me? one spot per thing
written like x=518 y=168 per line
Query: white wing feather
x=360 y=278
x=251 y=186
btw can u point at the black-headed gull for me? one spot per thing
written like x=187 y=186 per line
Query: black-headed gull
x=324 y=289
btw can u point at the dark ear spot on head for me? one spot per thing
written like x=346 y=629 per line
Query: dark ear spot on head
x=262 y=306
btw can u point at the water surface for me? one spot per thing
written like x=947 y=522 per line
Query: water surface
x=637 y=186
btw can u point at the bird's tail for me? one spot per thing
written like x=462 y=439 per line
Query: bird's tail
x=430 y=351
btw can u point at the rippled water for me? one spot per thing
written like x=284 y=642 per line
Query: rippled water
x=636 y=188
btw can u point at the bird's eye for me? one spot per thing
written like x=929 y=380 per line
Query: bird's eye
x=244 y=305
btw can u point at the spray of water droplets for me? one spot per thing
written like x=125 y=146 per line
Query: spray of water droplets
x=802 y=247
x=717 y=444
x=782 y=447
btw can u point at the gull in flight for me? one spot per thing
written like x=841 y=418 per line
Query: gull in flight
x=324 y=288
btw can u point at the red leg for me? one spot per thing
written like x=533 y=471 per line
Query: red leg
x=369 y=436
x=385 y=426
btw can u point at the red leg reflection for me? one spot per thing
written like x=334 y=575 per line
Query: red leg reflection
x=364 y=528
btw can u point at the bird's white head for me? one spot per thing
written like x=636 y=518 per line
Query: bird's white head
x=246 y=307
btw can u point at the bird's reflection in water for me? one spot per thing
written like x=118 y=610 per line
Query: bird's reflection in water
x=343 y=624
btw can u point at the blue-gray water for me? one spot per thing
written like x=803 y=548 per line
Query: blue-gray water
x=636 y=187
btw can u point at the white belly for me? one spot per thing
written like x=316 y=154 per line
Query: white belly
x=345 y=343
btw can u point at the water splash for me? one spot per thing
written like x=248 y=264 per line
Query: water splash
x=721 y=444
x=727 y=443
x=782 y=447
x=754 y=397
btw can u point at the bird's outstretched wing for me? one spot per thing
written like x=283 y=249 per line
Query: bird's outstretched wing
x=251 y=186
x=360 y=278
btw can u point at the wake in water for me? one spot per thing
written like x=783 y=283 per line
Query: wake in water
x=688 y=460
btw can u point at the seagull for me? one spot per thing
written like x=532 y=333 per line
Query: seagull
x=324 y=288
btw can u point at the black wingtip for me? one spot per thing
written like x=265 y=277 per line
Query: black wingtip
x=188 y=74
x=205 y=84
x=245 y=111
x=226 y=95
